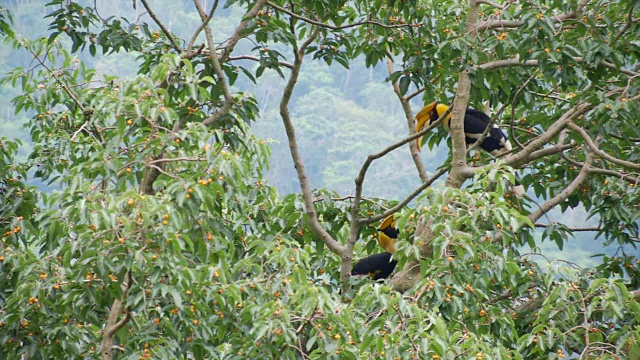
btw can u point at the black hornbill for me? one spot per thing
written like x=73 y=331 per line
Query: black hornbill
x=380 y=266
x=475 y=123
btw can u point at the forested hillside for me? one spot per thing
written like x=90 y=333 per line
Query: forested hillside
x=343 y=115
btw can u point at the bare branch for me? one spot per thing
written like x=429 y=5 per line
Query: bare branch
x=204 y=23
x=162 y=27
x=505 y=24
x=414 y=94
x=533 y=63
x=595 y=149
x=564 y=194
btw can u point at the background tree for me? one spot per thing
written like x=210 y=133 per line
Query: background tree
x=162 y=239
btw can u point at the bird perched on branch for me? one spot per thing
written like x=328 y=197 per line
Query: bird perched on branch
x=475 y=124
x=380 y=266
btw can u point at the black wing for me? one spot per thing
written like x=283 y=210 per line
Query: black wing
x=475 y=122
x=377 y=266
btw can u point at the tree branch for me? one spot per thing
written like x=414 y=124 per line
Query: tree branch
x=162 y=27
x=255 y=58
x=595 y=149
x=217 y=68
x=533 y=63
x=406 y=200
x=307 y=195
x=113 y=325
x=564 y=194
x=334 y=27
x=413 y=147
x=204 y=23
x=244 y=24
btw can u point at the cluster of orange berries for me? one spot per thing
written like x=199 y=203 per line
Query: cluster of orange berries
x=14 y=231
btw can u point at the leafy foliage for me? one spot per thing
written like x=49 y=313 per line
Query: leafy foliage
x=160 y=237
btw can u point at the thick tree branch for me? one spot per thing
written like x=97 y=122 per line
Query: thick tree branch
x=458 y=144
x=564 y=194
x=413 y=147
x=113 y=325
x=307 y=195
x=501 y=24
x=533 y=63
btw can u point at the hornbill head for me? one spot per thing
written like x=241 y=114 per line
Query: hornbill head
x=380 y=266
x=388 y=234
x=428 y=114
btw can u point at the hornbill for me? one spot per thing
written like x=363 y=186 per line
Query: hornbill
x=475 y=123
x=380 y=266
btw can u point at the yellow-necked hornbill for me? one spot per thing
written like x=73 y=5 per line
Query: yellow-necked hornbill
x=380 y=266
x=475 y=123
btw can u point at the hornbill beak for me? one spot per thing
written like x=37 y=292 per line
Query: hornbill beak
x=388 y=234
x=422 y=117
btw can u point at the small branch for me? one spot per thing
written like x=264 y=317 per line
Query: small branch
x=255 y=58
x=217 y=68
x=626 y=26
x=413 y=94
x=595 y=149
x=585 y=229
x=162 y=27
x=413 y=147
x=404 y=202
x=564 y=194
